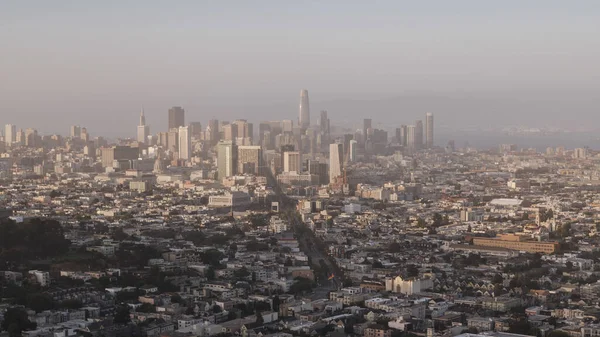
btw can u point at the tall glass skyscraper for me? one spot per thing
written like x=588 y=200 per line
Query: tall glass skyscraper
x=304 y=113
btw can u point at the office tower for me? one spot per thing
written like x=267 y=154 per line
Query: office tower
x=110 y=154
x=366 y=126
x=335 y=161
x=304 y=112
x=419 y=134
x=84 y=135
x=226 y=159
x=264 y=129
x=352 y=151
x=162 y=139
x=411 y=136
x=291 y=162
x=31 y=136
x=580 y=153
x=195 y=129
x=143 y=130
x=316 y=168
x=173 y=140
x=75 y=131
x=230 y=132
x=10 y=134
x=245 y=130
x=287 y=125
x=212 y=131
x=176 y=117
x=20 y=137
x=249 y=159
x=185 y=143
x=401 y=135
x=324 y=122
x=429 y=130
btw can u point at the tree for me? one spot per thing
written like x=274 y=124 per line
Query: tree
x=241 y=273
x=176 y=299
x=497 y=279
x=210 y=273
x=412 y=270
x=122 y=314
x=40 y=302
x=259 y=318
x=394 y=247
x=437 y=219
x=565 y=230
x=569 y=265
x=146 y=307
x=276 y=303
x=16 y=321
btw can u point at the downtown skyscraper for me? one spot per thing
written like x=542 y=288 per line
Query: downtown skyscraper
x=176 y=117
x=185 y=143
x=429 y=130
x=304 y=111
x=226 y=159
x=143 y=130
x=10 y=134
x=336 y=160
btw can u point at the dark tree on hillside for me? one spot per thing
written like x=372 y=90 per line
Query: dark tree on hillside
x=122 y=315
x=16 y=321
x=36 y=238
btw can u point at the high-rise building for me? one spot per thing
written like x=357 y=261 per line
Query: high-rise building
x=419 y=134
x=20 y=137
x=304 y=111
x=110 y=154
x=292 y=162
x=324 y=122
x=336 y=158
x=195 y=129
x=173 y=140
x=401 y=135
x=143 y=130
x=287 y=125
x=84 y=135
x=185 y=143
x=31 y=137
x=411 y=137
x=244 y=130
x=264 y=129
x=176 y=117
x=249 y=159
x=212 y=131
x=230 y=132
x=10 y=133
x=226 y=159
x=429 y=130
x=75 y=131
x=352 y=150
x=367 y=124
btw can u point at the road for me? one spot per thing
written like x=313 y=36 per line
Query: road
x=306 y=240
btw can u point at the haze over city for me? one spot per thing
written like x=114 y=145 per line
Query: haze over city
x=475 y=64
x=299 y=168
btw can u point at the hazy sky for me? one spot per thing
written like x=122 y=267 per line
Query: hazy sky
x=87 y=62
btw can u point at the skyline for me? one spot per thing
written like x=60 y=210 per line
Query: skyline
x=91 y=62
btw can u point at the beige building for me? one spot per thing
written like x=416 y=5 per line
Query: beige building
x=249 y=159
x=516 y=242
